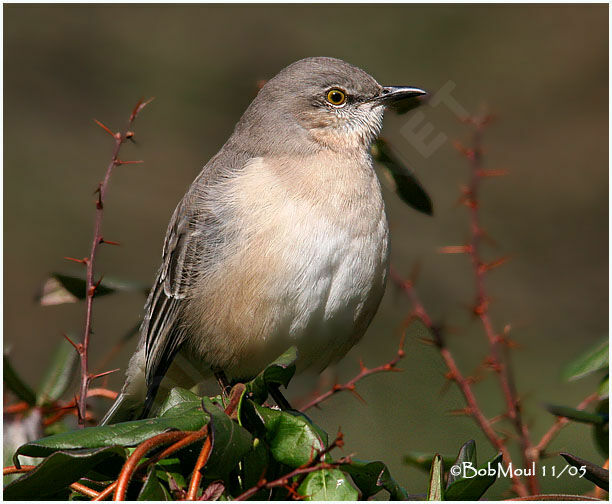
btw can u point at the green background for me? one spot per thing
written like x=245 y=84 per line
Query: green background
x=543 y=70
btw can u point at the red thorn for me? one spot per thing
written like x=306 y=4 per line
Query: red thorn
x=356 y=394
x=104 y=128
x=139 y=106
x=461 y=412
x=96 y=285
x=484 y=267
x=108 y=242
x=100 y=375
x=455 y=249
x=77 y=346
x=118 y=162
x=84 y=261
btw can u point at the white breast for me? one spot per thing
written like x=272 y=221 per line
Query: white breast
x=309 y=270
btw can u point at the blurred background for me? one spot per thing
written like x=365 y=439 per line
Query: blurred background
x=543 y=70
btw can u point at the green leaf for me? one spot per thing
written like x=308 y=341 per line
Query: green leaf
x=153 y=489
x=121 y=434
x=593 y=360
x=230 y=442
x=604 y=387
x=467 y=454
x=577 y=415
x=293 y=439
x=279 y=372
x=170 y=470
x=60 y=470
x=473 y=487
x=594 y=473
x=179 y=401
x=601 y=432
x=372 y=477
x=407 y=186
x=423 y=460
x=15 y=384
x=60 y=288
x=436 y=479
x=59 y=374
x=327 y=485
x=254 y=465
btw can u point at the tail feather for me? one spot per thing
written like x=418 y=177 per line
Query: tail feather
x=124 y=409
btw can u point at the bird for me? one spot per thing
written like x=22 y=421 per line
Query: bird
x=281 y=240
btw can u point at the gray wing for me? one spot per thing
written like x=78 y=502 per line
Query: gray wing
x=162 y=330
x=190 y=243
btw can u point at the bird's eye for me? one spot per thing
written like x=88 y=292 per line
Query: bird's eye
x=336 y=97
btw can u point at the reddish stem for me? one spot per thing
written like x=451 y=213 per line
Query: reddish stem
x=481 y=309
x=365 y=371
x=91 y=285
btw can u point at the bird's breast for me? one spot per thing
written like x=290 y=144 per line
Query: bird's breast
x=308 y=266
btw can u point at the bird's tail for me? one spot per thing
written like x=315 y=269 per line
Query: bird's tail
x=129 y=404
x=124 y=409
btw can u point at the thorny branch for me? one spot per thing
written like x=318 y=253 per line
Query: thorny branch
x=481 y=308
x=454 y=374
x=91 y=284
x=364 y=371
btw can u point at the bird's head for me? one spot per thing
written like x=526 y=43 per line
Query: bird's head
x=335 y=104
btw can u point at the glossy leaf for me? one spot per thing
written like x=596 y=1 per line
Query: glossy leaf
x=179 y=401
x=474 y=486
x=594 y=473
x=292 y=438
x=279 y=372
x=593 y=360
x=60 y=470
x=435 y=492
x=15 y=384
x=327 y=485
x=372 y=477
x=467 y=453
x=407 y=186
x=230 y=442
x=59 y=374
x=577 y=415
x=121 y=434
x=153 y=489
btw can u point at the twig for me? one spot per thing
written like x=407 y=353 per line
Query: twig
x=132 y=462
x=106 y=492
x=481 y=308
x=454 y=374
x=364 y=371
x=556 y=427
x=91 y=285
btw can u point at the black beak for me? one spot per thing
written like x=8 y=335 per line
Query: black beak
x=392 y=94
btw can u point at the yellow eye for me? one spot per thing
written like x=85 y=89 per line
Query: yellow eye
x=336 y=97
